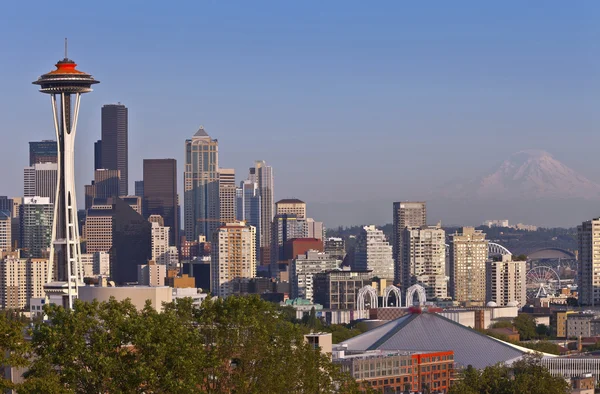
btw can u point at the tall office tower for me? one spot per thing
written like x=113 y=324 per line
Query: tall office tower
x=291 y=206
x=90 y=194
x=40 y=180
x=336 y=247
x=160 y=240
x=248 y=207
x=114 y=142
x=116 y=228
x=227 y=203
x=97 y=155
x=42 y=152
x=262 y=174
x=283 y=228
x=106 y=183
x=20 y=280
x=506 y=282
x=5 y=230
x=406 y=214
x=374 y=252
x=468 y=254
x=160 y=193
x=152 y=274
x=139 y=188
x=304 y=267
x=425 y=262
x=233 y=257
x=36 y=226
x=65 y=85
x=101 y=263
x=315 y=229
x=16 y=208
x=588 y=282
x=134 y=202
x=201 y=186
x=6 y=204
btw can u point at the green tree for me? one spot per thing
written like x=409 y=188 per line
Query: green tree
x=13 y=347
x=542 y=331
x=526 y=325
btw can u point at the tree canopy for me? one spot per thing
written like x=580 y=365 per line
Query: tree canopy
x=240 y=344
x=524 y=376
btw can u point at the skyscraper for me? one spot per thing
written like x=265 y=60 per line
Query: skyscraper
x=233 y=257
x=374 y=252
x=42 y=152
x=468 y=255
x=6 y=204
x=506 y=281
x=36 y=226
x=106 y=183
x=304 y=267
x=262 y=174
x=98 y=155
x=227 y=203
x=248 y=208
x=406 y=214
x=5 y=230
x=40 y=180
x=283 y=228
x=291 y=206
x=139 y=189
x=114 y=142
x=588 y=282
x=160 y=193
x=21 y=279
x=160 y=240
x=201 y=186
x=425 y=262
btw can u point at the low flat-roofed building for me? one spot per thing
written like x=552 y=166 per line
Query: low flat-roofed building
x=137 y=294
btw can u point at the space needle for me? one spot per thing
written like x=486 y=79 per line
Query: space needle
x=65 y=85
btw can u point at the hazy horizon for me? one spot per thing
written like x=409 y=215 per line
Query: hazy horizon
x=351 y=103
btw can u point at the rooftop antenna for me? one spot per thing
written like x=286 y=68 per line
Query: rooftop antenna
x=66 y=57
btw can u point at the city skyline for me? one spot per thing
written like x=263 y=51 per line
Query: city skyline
x=392 y=101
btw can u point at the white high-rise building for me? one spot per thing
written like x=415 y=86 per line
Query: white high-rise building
x=40 y=180
x=227 y=195
x=425 y=260
x=102 y=263
x=506 y=281
x=5 y=231
x=588 y=282
x=315 y=229
x=87 y=265
x=172 y=257
x=304 y=267
x=374 y=252
x=21 y=279
x=468 y=255
x=233 y=253
x=160 y=242
x=152 y=274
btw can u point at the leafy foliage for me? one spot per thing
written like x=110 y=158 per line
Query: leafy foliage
x=524 y=376
x=240 y=344
x=526 y=326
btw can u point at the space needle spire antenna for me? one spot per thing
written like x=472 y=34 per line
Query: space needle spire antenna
x=65 y=85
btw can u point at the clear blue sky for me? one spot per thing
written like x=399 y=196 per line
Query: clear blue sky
x=348 y=100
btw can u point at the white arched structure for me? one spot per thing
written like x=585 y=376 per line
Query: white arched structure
x=360 y=299
x=386 y=295
x=497 y=250
x=410 y=293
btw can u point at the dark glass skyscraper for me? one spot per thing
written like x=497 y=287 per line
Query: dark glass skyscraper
x=114 y=142
x=160 y=193
x=98 y=155
x=42 y=152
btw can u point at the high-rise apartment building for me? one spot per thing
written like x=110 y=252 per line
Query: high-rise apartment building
x=43 y=152
x=115 y=142
x=152 y=274
x=233 y=257
x=101 y=263
x=160 y=193
x=160 y=240
x=227 y=195
x=336 y=247
x=304 y=267
x=248 y=208
x=5 y=231
x=374 y=253
x=406 y=214
x=506 y=282
x=106 y=183
x=291 y=206
x=425 y=262
x=21 y=279
x=40 y=180
x=262 y=174
x=468 y=255
x=315 y=229
x=36 y=226
x=201 y=186
x=97 y=155
x=588 y=282
x=284 y=227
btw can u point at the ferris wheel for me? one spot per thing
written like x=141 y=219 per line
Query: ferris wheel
x=542 y=281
